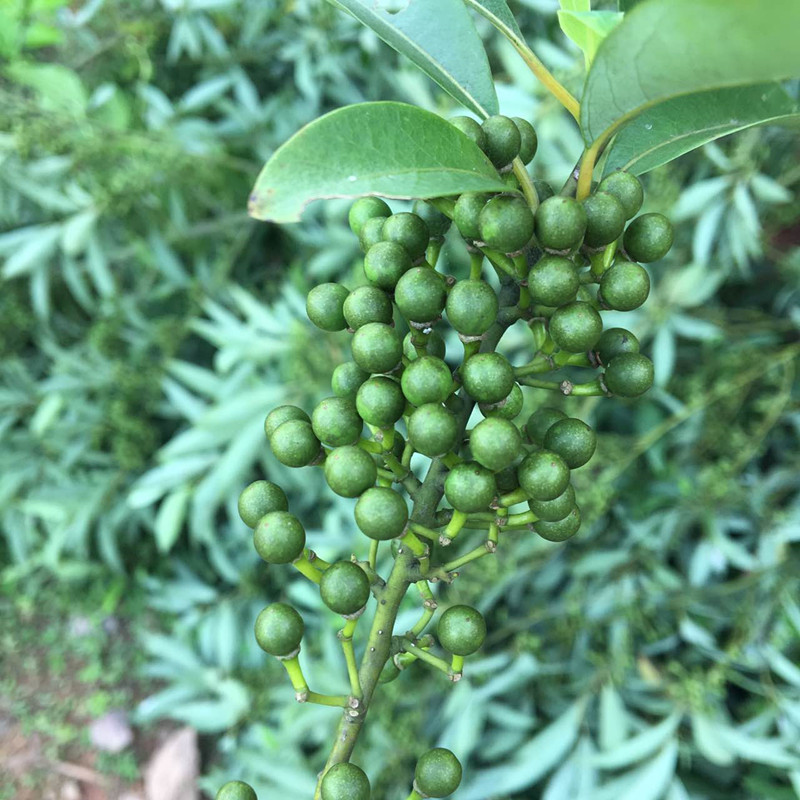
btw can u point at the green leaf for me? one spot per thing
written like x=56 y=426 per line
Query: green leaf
x=677 y=126
x=440 y=38
x=654 y=778
x=170 y=518
x=588 y=29
x=640 y=746
x=59 y=88
x=669 y=48
x=576 y=5
x=386 y=149
x=497 y=11
x=627 y=5
x=707 y=741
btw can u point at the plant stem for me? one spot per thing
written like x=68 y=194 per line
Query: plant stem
x=526 y=184
x=428 y=658
x=339 y=701
x=346 y=637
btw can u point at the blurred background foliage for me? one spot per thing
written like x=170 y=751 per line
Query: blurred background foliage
x=146 y=326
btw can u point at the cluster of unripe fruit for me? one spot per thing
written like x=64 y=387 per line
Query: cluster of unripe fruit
x=567 y=261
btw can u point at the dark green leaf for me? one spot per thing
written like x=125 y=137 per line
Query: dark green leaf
x=627 y=5
x=386 y=149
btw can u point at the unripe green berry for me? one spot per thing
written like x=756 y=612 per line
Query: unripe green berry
x=435 y=346
x=625 y=286
x=472 y=307
x=648 y=238
x=432 y=430
x=371 y=233
x=529 y=142
x=367 y=304
x=614 y=342
x=421 y=294
x=294 y=443
x=279 y=538
x=507 y=408
x=626 y=188
x=507 y=480
x=541 y=421
x=553 y=281
x=324 y=306
x=345 y=781
x=461 y=630
x=346 y=379
x=350 y=471
x=336 y=422
x=543 y=189
x=487 y=377
x=466 y=213
x=506 y=223
x=469 y=487
x=503 y=140
x=259 y=498
x=575 y=327
x=377 y=347
x=236 y=790
x=495 y=443
x=555 y=509
x=385 y=263
x=573 y=440
x=560 y=223
x=409 y=231
x=366 y=208
x=560 y=530
x=629 y=375
x=279 y=629
x=471 y=128
x=438 y=773
x=283 y=414
x=427 y=380
x=344 y=587
x=381 y=513
x=380 y=401
x=438 y=223
x=543 y=475
x=605 y=219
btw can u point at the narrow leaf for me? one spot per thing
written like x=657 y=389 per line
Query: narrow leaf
x=638 y=747
x=497 y=11
x=588 y=29
x=386 y=149
x=654 y=778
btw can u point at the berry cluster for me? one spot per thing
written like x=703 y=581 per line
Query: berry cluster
x=560 y=263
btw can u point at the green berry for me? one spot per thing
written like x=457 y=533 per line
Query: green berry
x=648 y=238
x=438 y=773
x=409 y=231
x=371 y=233
x=279 y=629
x=434 y=346
x=466 y=212
x=543 y=189
x=560 y=223
x=336 y=422
x=625 y=286
x=427 y=380
x=507 y=408
x=345 y=781
x=627 y=189
x=543 y=475
x=294 y=443
x=605 y=219
x=385 y=263
x=529 y=142
x=487 y=377
x=432 y=430
x=279 y=538
x=503 y=140
x=259 y=498
x=346 y=379
x=553 y=281
x=350 y=471
x=421 y=294
x=541 y=421
x=324 y=306
x=366 y=208
x=344 y=587
x=283 y=414
x=495 y=443
x=469 y=487
x=461 y=630
x=381 y=513
x=380 y=401
x=236 y=790
x=507 y=480
x=471 y=128
x=629 y=375
x=614 y=342
x=506 y=223
x=367 y=304
x=472 y=307
x=377 y=347
x=573 y=440
x=575 y=327
x=438 y=223
x=555 y=509
x=560 y=530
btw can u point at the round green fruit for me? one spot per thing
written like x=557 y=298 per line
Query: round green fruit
x=325 y=304
x=294 y=443
x=541 y=421
x=575 y=327
x=421 y=294
x=377 y=347
x=385 y=263
x=469 y=487
x=344 y=587
x=507 y=480
x=625 y=286
x=627 y=189
x=495 y=443
x=649 y=238
x=629 y=375
x=345 y=781
x=380 y=401
x=371 y=233
x=466 y=212
x=438 y=223
x=562 y=529
x=432 y=430
x=503 y=140
x=471 y=128
x=508 y=408
x=543 y=475
x=506 y=223
x=279 y=630
x=555 y=509
x=438 y=773
x=573 y=440
x=487 y=377
x=427 y=380
x=434 y=346
x=350 y=471
x=409 y=231
x=472 y=307
x=259 y=498
x=236 y=790
x=346 y=379
x=279 y=537
x=553 y=281
x=605 y=219
x=366 y=208
x=461 y=630
x=529 y=142
x=367 y=304
x=336 y=422
x=283 y=414
x=613 y=342
x=381 y=513
x=560 y=223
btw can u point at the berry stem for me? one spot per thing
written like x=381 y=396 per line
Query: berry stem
x=421 y=530
x=415 y=795
x=512 y=498
x=338 y=701
x=429 y=608
x=501 y=262
x=373 y=553
x=525 y=518
x=428 y=658
x=457 y=665
x=539 y=364
x=525 y=184
x=305 y=567
x=346 y=637
x=472 y=555
x=295 y=673
x=475 y=266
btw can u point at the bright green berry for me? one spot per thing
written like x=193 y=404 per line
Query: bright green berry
x=503 y=140
x=529 y=142
x=575 y=327
x=427 y=380
x=461 y=630
x=438 y=223
x=487 y=377
x=324 y=306
x=508 y=408
x=626 y=188
x=367 y=304
x=506 y=223
x=560 y=530
x=466 y=213
x=371 y=233
x=345 y=781
x=438 y=773
x=366 y=208
x=543 y=475
x=469 y=487
x=555 y=509
x=495 y=443
x=346 y=379
x=573 y=440
x=385 y=263
x=553 y=281
x=421 y=294
x=344 y=587
x=471 y=128
x=432 y=430
x=434 y=346
x=541 y=421
x=560 y=223
x=629 y=375
x=377 y=347
x=381 y=513
x=350 y=471
x=279 y=538
x=605 y=219
x=336 y=422
x=294 y=443
x=614 y=342
x=380 y=401
x=283 y=414
x=472 y=307
x=279 y=629
x=409 y=231
x=236 y=790
x=648 y=238
x=259 y=498
x=625 y=286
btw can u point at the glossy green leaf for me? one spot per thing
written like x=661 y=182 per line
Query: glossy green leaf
x=386 y=149
x=679 y=125
x=670 y=48
x=588 y=29
x=440 y=38
x=498 y=13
